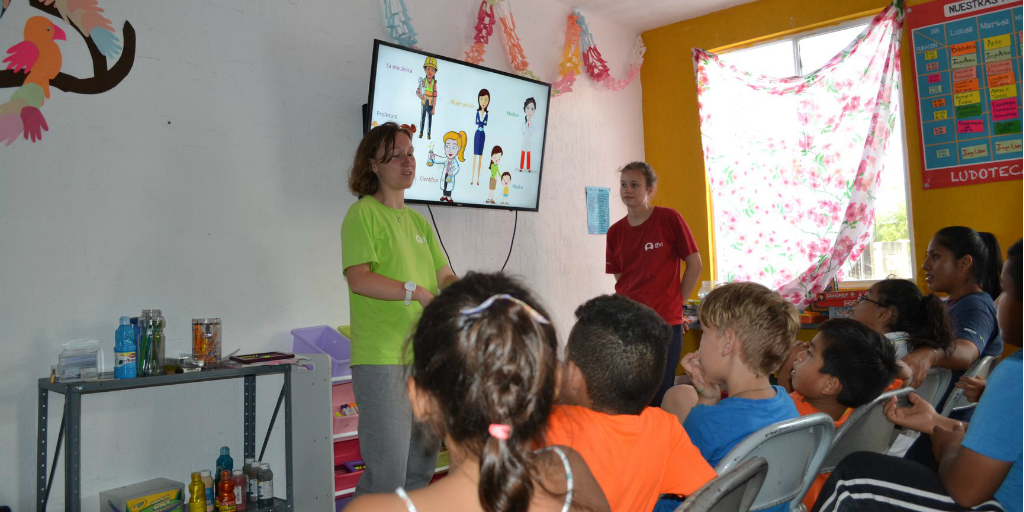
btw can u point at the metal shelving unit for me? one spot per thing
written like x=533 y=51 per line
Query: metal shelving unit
x=71 y=422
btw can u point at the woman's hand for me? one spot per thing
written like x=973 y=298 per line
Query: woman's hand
x=422 y=295
x=920 y=416
x=973 y=387
x=920 y=360
x=709 y=393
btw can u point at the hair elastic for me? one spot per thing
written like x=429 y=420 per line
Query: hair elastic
x=499 y=431
x=539 y=318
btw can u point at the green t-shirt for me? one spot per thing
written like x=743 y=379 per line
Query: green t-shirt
x=398 y=244
x=495 y=173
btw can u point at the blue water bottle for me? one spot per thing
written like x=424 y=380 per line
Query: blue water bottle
x=125 y=366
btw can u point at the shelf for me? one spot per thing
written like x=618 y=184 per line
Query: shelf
x=108 y=383
x=343 y=378
x=346 y=492
x=278 y=506
x=346 y=435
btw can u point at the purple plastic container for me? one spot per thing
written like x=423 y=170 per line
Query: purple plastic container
x=323 y=339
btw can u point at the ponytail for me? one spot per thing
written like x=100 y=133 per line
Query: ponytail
x=983 y=248
x=923 y=317
x=505 y=475
x=988 y=273
x=462 y=146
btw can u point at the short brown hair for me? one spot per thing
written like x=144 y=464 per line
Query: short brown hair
x=765 y=323
x=381 y=140
x=645 y=168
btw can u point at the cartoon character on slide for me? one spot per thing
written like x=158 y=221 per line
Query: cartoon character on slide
x=454 y=151
x=483 y=99
x=529 y=108
x=495 y=173
x=427 y=93
x=506 y=180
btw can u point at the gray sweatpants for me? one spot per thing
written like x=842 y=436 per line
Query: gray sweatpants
x=397 y=451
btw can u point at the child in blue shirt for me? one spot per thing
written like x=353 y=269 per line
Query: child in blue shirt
x=979 y=464
x=748 y=330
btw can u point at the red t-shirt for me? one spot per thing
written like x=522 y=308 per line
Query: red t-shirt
x=648 y=258
x=634 y=457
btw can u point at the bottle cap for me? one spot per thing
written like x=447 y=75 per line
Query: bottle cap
x=248 y=460
x=125 y=320
x=236 y=472
x=205 y=472
x=265 y=465
x=195 y=475
x=224 y=450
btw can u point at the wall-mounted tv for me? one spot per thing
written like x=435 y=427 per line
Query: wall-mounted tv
x=479 y=133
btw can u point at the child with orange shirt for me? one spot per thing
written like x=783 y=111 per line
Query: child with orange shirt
x=847 y=365
x=616 y=358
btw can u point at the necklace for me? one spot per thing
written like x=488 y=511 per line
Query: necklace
x=749 y=391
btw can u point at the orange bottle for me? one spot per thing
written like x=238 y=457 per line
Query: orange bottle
x=226 y=493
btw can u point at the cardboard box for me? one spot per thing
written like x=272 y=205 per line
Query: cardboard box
x=156 y=495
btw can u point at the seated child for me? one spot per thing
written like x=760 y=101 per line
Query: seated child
x=484 y=377
x=979 y=467
x=616 y=360
x=847 y=365
x=747 y=331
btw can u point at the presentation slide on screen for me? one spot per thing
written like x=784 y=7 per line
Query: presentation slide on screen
x=479 y=134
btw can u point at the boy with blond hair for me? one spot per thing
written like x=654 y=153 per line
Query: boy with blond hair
x=748 y=330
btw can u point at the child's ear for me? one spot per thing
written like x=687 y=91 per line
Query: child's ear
x=729 y=341
x=422 y=404
x=832 y=387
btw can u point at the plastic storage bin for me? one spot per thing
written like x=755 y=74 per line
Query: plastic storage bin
x=342 y=394
x=325 y=340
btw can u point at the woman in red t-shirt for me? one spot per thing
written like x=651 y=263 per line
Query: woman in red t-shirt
x=644 y=251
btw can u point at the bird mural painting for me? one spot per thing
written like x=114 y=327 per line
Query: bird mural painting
x=85 y=15
x=39 y=57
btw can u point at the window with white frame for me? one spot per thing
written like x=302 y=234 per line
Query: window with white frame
x=890 y=250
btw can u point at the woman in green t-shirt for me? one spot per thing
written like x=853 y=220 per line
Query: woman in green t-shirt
x=394 y=266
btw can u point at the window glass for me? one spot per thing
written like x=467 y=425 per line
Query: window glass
x=772 y=59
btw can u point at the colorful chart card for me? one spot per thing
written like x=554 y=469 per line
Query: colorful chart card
x=967 y=69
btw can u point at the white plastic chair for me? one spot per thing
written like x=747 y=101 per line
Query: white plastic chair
x=866 y=430
x=935 y=385
x=730 y=491
x=794 y=449
x=957 y=402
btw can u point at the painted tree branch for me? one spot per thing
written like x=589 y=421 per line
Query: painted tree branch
x=103 y=79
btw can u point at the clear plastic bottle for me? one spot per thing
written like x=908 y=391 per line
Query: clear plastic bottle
x=125 y=366
x=252 y=473
x=238 y=479
x=208 y=484
x=158 y=341
x=144 y=343
x=266 y=486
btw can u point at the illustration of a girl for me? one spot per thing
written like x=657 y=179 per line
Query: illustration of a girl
x=495 y=173
x=482 y=100
x=529 y=108
x=454 y=151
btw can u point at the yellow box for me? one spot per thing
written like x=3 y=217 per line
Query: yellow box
x=1006 y=91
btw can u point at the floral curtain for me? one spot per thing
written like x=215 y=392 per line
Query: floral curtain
x=794 y=163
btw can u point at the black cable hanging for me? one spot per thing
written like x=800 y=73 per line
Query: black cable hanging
x=516 y=224
x=438 y=231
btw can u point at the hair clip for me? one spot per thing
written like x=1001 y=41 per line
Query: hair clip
x=499 y=431
x=537 y=317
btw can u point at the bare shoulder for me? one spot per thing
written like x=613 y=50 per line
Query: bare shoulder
x=554 y=482
x=384 y=502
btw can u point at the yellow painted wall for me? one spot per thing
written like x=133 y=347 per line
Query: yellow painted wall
x=672 y=131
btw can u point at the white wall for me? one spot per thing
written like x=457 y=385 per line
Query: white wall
x=212 y=182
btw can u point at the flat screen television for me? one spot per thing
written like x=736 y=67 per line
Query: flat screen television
x=466 y=117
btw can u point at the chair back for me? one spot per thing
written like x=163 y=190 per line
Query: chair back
x=794 y=449
x=866 y=430
x=935 y=385
x=957 y=402
x=730 y=491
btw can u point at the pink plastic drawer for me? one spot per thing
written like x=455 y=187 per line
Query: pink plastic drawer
x=345 y=451
x=342 y=394
x=343 y=480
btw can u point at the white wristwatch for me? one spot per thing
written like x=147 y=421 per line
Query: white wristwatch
x=409 y=288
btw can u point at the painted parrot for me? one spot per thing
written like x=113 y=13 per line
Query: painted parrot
x=85 y=14
x=39 y=56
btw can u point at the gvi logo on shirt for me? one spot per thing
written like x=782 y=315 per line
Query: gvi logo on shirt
x=649 y=246
x=420 y=239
